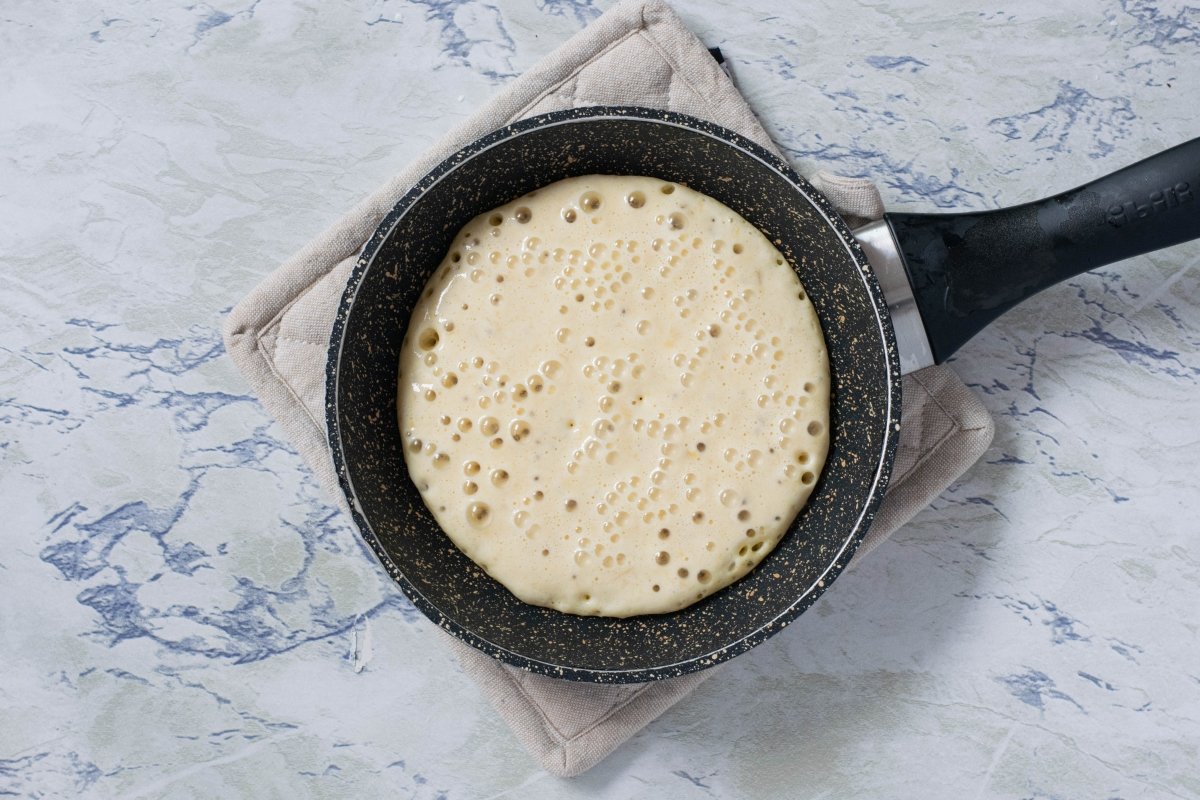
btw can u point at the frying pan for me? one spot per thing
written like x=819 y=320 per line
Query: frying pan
x=943 y=278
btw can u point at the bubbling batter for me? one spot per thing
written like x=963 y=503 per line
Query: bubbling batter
x=614 y=395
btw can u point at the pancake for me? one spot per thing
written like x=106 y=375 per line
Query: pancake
x=614 y=395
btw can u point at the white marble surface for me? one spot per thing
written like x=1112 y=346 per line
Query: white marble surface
x=183 y=614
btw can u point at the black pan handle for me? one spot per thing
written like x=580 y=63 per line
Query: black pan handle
x=968 y=269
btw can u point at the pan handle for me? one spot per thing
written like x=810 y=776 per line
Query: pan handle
x=968 y=269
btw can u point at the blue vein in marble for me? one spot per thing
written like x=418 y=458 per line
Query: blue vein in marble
x=174 y=675
x=980 y=551
x=698 y=782
x=1006 y=458
x=1103 y=684
x=1158 y=28
x=1095 y=480
x=81 y=559
x=127 y=676
x=983 y=501
x=14 y=414
x=251 y=452
x=31 y=775
x=783 y=67
x=193 y=410
x=583 y=11
x=1053 y=127
x=172 y=356
x=24 y=357
x=419 y=781
x=1153 y=359
x=96 y=35
x=253 y=629
x=853 y=157
x=1108 y=321
x=11 y=770
x=857 y=160
x=214 y=18
x=896 y=63
x=1128 y=651
x=251 y=621
x=489 y=52
x=1061 y=624
x=1034 y=687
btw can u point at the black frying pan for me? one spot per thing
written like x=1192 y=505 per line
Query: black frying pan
x=947 y=278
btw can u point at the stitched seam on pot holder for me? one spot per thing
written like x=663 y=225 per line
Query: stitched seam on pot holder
x=927 y=449
x=937 y=401
x=549 y=725
x=928 y=453
x=551 y=89
x=550 y=728
x=261 y=348
x=300 y=341
x=675 y=72
x=277 y=319
x=611 y=711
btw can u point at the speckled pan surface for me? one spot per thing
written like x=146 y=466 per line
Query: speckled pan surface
x=366 y=443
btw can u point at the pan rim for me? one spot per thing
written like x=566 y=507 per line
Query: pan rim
x=854 y=534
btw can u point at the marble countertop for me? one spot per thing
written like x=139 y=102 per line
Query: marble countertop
x=183 y=612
